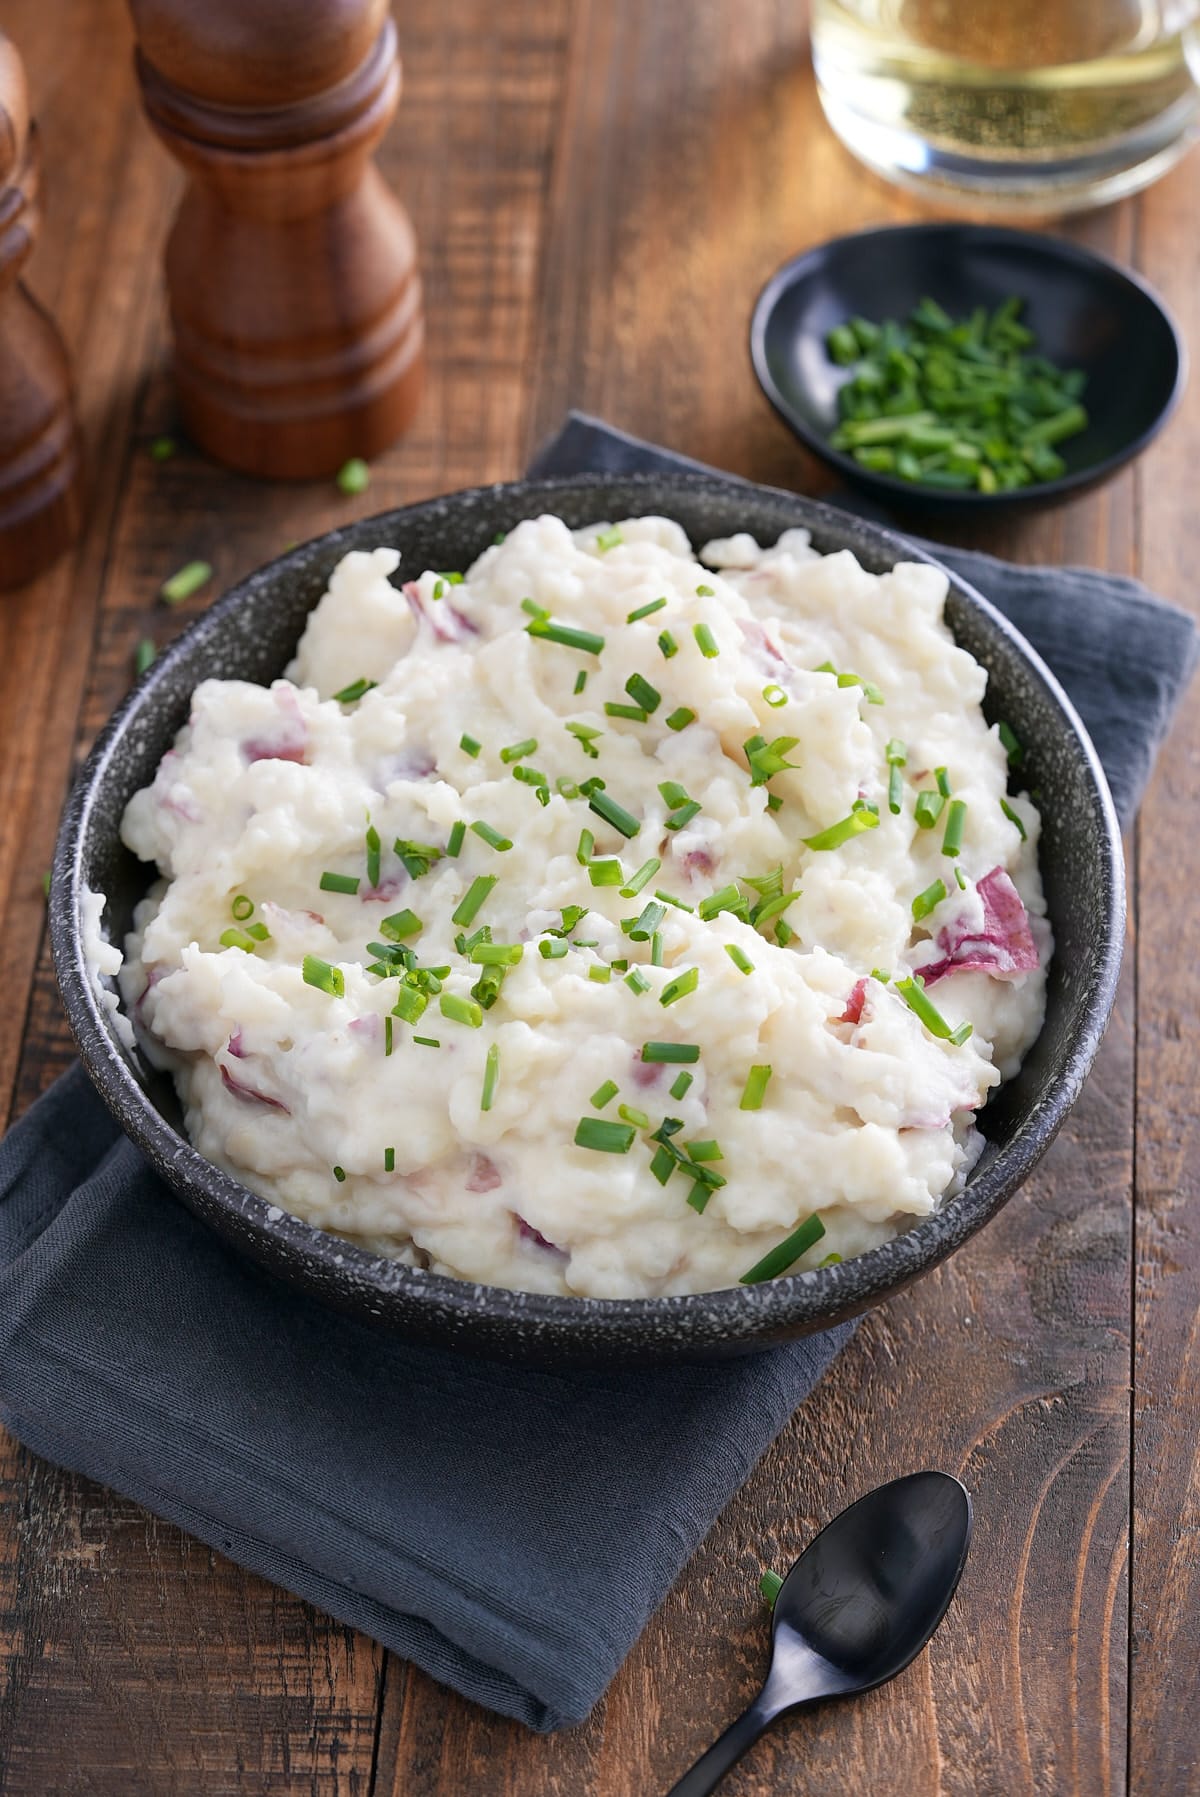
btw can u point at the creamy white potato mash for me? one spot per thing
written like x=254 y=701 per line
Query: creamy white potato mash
x=555 y=925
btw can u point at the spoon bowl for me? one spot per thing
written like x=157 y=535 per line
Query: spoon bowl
x=858 y=1606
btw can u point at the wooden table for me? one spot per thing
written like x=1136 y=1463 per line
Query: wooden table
x=600 y=188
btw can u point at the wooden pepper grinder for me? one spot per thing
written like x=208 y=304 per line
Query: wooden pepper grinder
x=291 y=267
x=40 y=467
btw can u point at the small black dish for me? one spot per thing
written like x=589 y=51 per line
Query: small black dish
x=1085 y=312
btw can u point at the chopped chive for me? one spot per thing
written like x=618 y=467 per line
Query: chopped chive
x=585 y=735
x=839 y=833
x=491 y=1073
x=567 y=634
x=629 y=1114
x=496 y=954
x=492 y=837
x=680 y=718
x=606 y=872
x=259 y=931
x=684 y=815
x=534 y=609
x=680 y=1084
x=663 y=1165
x=774 y=695
x=580 y=680
x=699 y=1195
x=235 y=938
x=400 y=924
x=473 y=898
x=706 y=642
x=943 y=781
x=603 y=1094
x=604 y=1137
x=642 y=877
x=960 y=1035
x=637 y=981
x=410 y=1004
x=770 y=1584
x=1011 y=743
x=895 y=789
x=418 y=857
x=961 y=877
x=339 y=1173
x=926 y=901
x=781 y=1257
x=643 y=927
x=642 y=693
x=186 y=581
x=703 y=592
x=609 y=539
x=896 y=753
x=566 y=789
x=571 y=915
x=454 y=841
x=162 y=449
x=354 y=476
x=517 y=751
x=704 y=1151
x=373 y=853
x=740 y=959
x=783 y=932
x=928 y=808
x=387 y=1035
x=461 y=1010
x=767 y=759
x=469 y=746
x=636 y=712
x=667 y=899
x=673 y=794
x=670 y=1052
x=452 y=577
x=613 y=814
x=912 y=991
x=645 y=611
x=774 y=802
x=587 y=843
x=756 y=1085
x=726 y=898
x=656 y=949
x=668 y=645
x=339 y=882
x=427 y=1041
x=552 y=948
x=439 y=588
x=242 y=907
x=680 y=986
x=956 y=817
x=326 y=978
x=144 y=655
x=1014 y=817
x=389 y=1154
x=600 y=973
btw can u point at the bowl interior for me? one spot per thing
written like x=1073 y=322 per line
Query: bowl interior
x=1085 y=312
x=251 y=634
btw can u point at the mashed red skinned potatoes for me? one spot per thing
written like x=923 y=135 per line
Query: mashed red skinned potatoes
x=404 y=961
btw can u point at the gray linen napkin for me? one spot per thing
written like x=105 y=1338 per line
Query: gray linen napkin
x=509 y=1530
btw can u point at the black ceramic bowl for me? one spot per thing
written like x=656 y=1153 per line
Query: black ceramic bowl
x=1085 y=312
x=251 y=633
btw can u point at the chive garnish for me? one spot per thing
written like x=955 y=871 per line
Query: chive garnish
x=925 y=901
x=517 y=751
x=663 y=1165
x=726 y=898
x=587 y=843
x=608 y=539
x=912 y=991
x=339 y=882
x=439 y=588
x=162 y=449
x=643 y=927
x=680 y=1084
x=706 y=642
x=699 y=1195
x=636 y=712
x=680 y=718
x=629 y=1114
x=387 y=1035
x=235 y=938
x=552 y=948
x=427 y=1041
x=1014 y=817
x=604 y=1137
x=469 y=746
x=534 y=609
x=389 y=1154
x=373 y=852
x=356 y=690
x=668 y=645
x=603 y=1094
x=668 y=1052
x=354 y=476
x=567 y=634
x=600 y=973
x=668 y=899
x=642 y=693
x=928 y=808
x=613 y=814
x=1011 y=743
x=496 y=954
x=400 y=925
x=774 y=695
x=472 y=899
x=704 y=1151
x=770 y=1585
x=642 y=877
x=242 y=908
x=454 y=841
x=580 y=680
x=606 y=872
x=781 y=1257
x=956 y=817
x=860 y=819
x=767 y=759
x=491 y=1073
x=339 y=1173
x=410 y=1004
x=452 y=577
x=144 y=655
x=417 y=857
x=757 y=1081
x=637 y=981
x=943 y=781
x=703 y=592
x=326 y=978
x=740 y=959
x=492 y=837
x=783 y=932
x=645 y=611
x=680 y=986
x=186 y=581
x=774 y=802
x=684 y=815
x=673 y=794
x=897 y=757
x=656 y=949
x=585 y=734
x=461 y=1010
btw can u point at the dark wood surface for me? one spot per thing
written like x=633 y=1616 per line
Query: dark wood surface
x=599 y=188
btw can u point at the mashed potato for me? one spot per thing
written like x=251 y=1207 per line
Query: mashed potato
x=554 y=926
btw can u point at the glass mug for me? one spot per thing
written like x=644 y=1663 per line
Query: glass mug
x=1015 y=106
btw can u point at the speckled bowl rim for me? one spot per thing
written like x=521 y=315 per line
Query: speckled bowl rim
x=493 y=1319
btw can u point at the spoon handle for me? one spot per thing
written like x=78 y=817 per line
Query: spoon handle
x=725 y=1752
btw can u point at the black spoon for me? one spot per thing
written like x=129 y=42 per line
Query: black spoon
x=859 y=1604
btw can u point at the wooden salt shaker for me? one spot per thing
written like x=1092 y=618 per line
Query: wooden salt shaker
x=291 y=267
x=40 y=467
